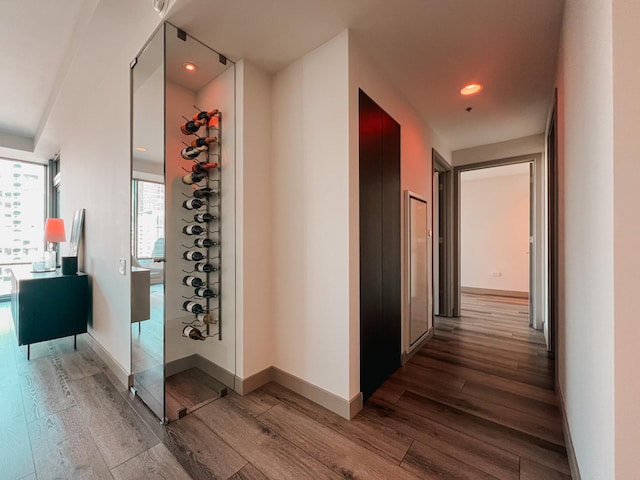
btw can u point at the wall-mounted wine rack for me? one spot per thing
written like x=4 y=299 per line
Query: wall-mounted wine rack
x=202 y=231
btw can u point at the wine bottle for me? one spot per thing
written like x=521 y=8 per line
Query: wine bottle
x=205 y=116
x=205 y=292
x=193 y=333
x=192 y=255
x=192 y=307
x=192 y=281
x=192 y=230
x=204 y=217
x=190 y=153
x=192 y=204
x=205 y=192
x=205 y=267
x=193 y=177
x=204 y=243
x=192 y=126
x=205 y=318
x=203 y=167
x=203 y=142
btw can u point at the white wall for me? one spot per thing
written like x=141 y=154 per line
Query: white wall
x=315 y=177
x=90 y=123
x=626 y=178
x=586 y=265
x=417 y=140
x=495 y=151
x=254 y=223
x=494 y=230
x=310 y=190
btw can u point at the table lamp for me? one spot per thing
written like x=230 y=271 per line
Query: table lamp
x=53 y=233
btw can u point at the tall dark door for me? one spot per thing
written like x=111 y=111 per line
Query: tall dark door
x=380 y=343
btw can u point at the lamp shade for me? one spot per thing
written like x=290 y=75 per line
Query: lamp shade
x=54 y=230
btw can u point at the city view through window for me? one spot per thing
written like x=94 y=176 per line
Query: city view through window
x=22 y=216
x=148 y=240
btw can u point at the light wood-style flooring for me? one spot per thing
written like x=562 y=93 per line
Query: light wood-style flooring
x=475 y=403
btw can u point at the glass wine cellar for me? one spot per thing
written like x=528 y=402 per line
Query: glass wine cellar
x=183 y=224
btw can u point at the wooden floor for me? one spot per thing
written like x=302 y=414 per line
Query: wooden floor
x=475 y=403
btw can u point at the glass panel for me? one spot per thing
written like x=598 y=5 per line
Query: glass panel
x=147 y=278
x=22 y=216
x=192 y=92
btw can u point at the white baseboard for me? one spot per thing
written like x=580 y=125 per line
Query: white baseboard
x=119 y=374
x=345 y=408
x=491 y=291
x=571 y=453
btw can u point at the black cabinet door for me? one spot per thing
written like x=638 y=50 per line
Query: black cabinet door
x=380 y=329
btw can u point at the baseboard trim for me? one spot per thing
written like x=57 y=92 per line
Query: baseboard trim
x=491 y=291
x=244 y=386
x=207 y=366
x=124 y=379
x=406 y=356
x=571 y=453
x=345 y=408
x=216 y=371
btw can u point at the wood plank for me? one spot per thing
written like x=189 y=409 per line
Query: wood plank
x=509 y=439
x=530 y=470
x=518 y=402
x=425 y=463
x=65 y=448
x=268 y=451
x=255 y=404
x=45 y=389
x=202 y=453
x=157 y=463
x=337 y=452
x=15 y=448
x=119 y=433
x=441 y=438
x=384 y=441
x=519 y=388
x=248 y=472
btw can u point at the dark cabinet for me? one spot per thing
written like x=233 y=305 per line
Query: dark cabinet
x=380 y=295
x=48 y=305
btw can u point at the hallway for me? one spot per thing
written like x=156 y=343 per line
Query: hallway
x=480 y=393
x=475 y=403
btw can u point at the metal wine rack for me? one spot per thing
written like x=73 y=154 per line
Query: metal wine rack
x=211 y=324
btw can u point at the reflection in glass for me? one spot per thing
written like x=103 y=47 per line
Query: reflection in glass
x=178 y=369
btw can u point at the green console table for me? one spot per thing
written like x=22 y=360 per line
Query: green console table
x=48 y=305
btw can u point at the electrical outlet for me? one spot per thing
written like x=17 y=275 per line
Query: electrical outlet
x=496 y=274
x=123 y=266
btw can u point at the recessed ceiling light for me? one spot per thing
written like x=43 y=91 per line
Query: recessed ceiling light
x=190 y=67
x=471 y=89
x=141 y=149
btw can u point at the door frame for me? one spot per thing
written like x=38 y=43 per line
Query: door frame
x=444 y=216
x=538 y=294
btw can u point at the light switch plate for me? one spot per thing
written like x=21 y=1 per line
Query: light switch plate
x=123 y=266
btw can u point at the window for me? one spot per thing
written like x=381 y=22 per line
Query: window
x=22 y=215
x=148 y=219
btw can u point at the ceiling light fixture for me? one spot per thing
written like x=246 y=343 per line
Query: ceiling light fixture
x=471 y=89
x=141 y=149
x=190 y=67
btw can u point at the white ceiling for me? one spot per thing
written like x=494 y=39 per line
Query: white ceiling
x=493 y=172
x=428 y=48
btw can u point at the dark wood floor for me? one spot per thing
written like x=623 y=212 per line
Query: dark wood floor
x=475 y=403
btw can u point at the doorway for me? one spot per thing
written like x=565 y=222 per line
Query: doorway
x=442 y=215
x=536 y=239
x=380 y=275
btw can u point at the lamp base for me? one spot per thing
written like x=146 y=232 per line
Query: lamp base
x=49 y=260
x=69 y=265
